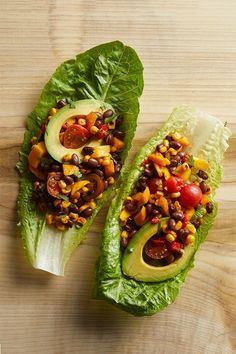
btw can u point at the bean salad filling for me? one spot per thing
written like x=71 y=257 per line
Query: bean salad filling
x=69 y=191
x=172 y=190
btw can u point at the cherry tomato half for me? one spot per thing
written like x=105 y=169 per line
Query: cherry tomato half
x=191 y=195
x=173 y=184
x=75 y=136
x=102 y=131
x=156 y=251
x=52 y=184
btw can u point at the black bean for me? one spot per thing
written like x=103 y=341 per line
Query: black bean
x=70 y=223
x=169 y=138
x=87 y=150
x=92 y=163
x=66 y=211
x=119 y=134
x=181 y=155
x=116 y=157
x=69 y=180
x=130 y=205
x=124 y=242
x=175 y=145
x=75 y=159
x=108 y=139
x=149 y=209
x=142 y=179
x=130 y=221
x=171 y=224
x=75 y=178
x=148 y=172
x=55 y=168
x=99 y=115
x=127 y=228
x=74 y=208
x=209 y=207
x=155 y=212
x=117 y=167
x=203 y=187
x=132 y=232
x=87 y=212
x=61 y=103
x=108 y=113
x=98 y=172
x=141 y=186
x=172 y=169
x=106 y=185
x=172 y=208
x=196 y=223
x=178 y=215
x=119 y=121
x=202 y=174
x=59 y=208
x=183 y=233
x=98 y=123
x=173 y=162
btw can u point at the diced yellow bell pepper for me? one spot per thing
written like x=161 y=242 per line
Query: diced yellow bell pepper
x=79 y=185
x=140 y=218
x=189 y=213
x=183 y=141
x=69 y=169
x=183 y=171
x=118 y=144
x=101 y=151
x=142 y=197
x=200 y=164
x=124 y=215
x=163 y=203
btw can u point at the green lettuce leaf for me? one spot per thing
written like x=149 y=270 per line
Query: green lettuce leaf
x=111 y=73
x=209 y=141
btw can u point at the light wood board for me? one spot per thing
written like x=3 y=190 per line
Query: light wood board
x=188 y=49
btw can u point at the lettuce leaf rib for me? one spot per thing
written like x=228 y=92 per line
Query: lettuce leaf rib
x=111 y=72
x=209 y=140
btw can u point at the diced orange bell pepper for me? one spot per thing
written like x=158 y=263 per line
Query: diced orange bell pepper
x=37 y=152
x=183 y=141
x=69 y=169
x=189 y=213
x=90 y=120
x=101 y=151
x=118 y=144
x=205 y=199
x=142 y=197
x=200 y=164
x=141 y=216
x=109 y=169
x=163 y=203
x=159 y=159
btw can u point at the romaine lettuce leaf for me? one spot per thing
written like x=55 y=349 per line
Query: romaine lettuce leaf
x=112 y=73
x=209 y=141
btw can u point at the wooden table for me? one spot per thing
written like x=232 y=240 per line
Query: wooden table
x=188 y=49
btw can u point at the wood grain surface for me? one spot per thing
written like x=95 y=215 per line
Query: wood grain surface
x=188 y=49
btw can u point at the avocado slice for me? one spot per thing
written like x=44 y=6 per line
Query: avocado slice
x=134 y=266
x=52 y=141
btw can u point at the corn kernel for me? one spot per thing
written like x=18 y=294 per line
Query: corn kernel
x=49 y=117
x=106 y=162
x=52 y=111
x=75 y=201
x=86 y=158
x=65 y=191
x=166 y=143
x=81 y=220
x=73 y=216
x=185 y=166
x=163 y=149
x=64 y=219
x=170 y=238
x=159 y=194
x=191 y=228
x=124 y=234
x=36 y=184
x=49 y=219
x=112 y=124
x=175 y=195
x=99 y=196
x=176 y=136
x=62 y=184
x=172 y=151
x=177 y=205
x=92 y=205
x=60 y=227
x=190 y=239
x=111 y=180
x=85 y=189
x=67 y=157
x=113 y=149
x=152 y=198
x=164 y=227
x=76 y=195
x=56 y=202
x=93 y=129
x=82 y=121
x=129 y=198
x=83 y=207
x=65 y=203
x=178 y=225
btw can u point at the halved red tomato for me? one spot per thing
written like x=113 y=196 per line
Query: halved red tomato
x=75 y=136
x=156 y=250
x=173 y=184
x=52 y=184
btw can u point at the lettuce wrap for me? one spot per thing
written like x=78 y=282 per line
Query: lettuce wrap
x=208 y=138
x=110 y=73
